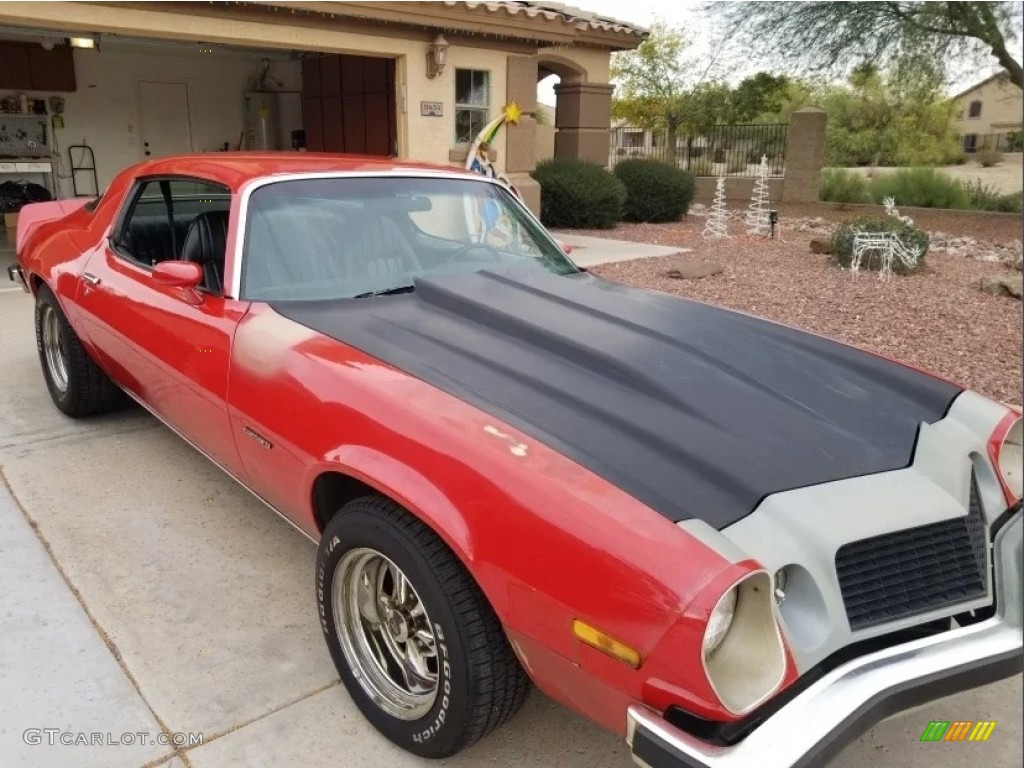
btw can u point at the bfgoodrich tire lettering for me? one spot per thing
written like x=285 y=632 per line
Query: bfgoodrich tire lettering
x=77 y=386
x=479 y=683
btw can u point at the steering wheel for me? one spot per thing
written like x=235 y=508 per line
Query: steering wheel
x=456 y=255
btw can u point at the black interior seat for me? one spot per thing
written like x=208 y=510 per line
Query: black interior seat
x=148 y=238
x=205 y=244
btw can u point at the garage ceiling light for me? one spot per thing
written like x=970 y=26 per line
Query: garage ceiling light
x=82 y=42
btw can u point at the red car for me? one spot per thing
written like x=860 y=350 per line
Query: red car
x=731 y=542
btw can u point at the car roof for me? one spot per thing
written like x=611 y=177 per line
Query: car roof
x=233 y=169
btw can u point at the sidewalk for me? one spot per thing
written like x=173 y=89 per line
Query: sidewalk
x=592 y=251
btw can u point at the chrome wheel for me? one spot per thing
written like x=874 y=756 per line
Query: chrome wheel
x=385 y=634
x=53 y=349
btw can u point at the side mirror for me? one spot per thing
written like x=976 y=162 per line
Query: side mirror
x=566 y=248
x=186 y=275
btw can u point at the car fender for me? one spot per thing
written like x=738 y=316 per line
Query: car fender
x=406 y=486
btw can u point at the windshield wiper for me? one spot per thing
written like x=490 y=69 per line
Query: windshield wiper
x=387 y=291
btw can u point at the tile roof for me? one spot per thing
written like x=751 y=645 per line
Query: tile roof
x=578 y=17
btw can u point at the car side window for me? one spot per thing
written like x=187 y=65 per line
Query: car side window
x=177 y=219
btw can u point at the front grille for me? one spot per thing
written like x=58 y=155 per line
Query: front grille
x=914 y=571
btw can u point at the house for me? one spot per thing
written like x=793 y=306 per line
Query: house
x=89 y=88
x=989 y=115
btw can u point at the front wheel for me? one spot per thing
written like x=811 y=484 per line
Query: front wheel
x=418 y=647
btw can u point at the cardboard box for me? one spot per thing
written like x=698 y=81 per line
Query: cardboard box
x=11 y=222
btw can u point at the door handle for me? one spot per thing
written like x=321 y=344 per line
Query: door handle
x=90 y=278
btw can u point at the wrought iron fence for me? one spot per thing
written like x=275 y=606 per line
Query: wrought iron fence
x=726 y=150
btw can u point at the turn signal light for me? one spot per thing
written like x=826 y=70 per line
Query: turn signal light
x=595 y=638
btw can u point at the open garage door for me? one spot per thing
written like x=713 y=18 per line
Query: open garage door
x=348 y=104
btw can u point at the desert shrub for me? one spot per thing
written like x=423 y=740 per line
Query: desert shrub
x=655 y=191
x=737 y=162
x=578 y=194
x=986 y=198
x=989 y=157
x=841 y=241
x=839 y=185
x=922 y=187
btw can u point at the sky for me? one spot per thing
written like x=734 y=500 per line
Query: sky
x=689 y=15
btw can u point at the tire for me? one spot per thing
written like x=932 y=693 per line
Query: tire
x=479 y=683
x=76 y=384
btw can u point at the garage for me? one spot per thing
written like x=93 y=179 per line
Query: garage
x=89 y=89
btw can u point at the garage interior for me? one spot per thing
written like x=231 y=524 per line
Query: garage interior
x=76 y=109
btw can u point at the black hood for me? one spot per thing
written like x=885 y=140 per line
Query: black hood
x=698 y=412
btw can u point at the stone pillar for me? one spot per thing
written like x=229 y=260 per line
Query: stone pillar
x=805 y=156
x=521 y=139
x=583 y=121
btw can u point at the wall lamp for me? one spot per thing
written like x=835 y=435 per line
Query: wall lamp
x=437 y=56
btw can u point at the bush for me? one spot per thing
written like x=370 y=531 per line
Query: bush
x=989 y=157
x=655 y=191
x=839 y=185
x=922 y=187
x=578 y=194
x=841 y=241
x=985 y=198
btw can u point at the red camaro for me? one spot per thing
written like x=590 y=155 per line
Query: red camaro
x=732 y=542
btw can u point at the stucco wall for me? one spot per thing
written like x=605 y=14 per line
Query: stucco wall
x=1001 y=106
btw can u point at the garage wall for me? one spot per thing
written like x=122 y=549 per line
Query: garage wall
x=104 y=112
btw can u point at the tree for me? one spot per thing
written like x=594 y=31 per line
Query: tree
x=662 y=88
x=827 y=35
x=900 y=117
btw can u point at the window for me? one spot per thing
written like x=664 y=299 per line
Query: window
x=971 y=142
x=974 y=109
x=350 y=238
x=177 y=219
x=472 y=102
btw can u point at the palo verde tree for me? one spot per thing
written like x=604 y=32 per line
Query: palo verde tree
x=837 y=35
x=661 y=86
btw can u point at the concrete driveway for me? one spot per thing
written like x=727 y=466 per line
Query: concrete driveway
x=143 y=594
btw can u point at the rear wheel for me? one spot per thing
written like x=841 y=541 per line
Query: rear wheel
x=77 y=386
x=418 y=647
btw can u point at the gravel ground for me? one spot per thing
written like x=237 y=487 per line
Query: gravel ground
x=936 y=319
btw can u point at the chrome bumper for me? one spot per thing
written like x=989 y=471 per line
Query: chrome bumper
x=837 y=709
x=14 y=272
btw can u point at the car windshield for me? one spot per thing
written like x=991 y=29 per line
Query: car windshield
x=357 y=237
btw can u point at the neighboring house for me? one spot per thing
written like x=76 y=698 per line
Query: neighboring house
x=414 y=80
x=989 y=115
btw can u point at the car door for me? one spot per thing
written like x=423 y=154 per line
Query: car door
x=168 y=349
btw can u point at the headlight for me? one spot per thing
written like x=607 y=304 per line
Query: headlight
x=1006 y=453
x=720 y=621
x=743 y=655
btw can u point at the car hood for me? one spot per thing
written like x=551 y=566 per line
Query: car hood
x=697 y=411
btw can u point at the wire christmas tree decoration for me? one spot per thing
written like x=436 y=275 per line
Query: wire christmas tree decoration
x=757 y=222
x=717 y=224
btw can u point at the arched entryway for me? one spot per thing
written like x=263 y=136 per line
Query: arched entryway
x=582 y=108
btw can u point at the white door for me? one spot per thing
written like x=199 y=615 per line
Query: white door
x=164 y=121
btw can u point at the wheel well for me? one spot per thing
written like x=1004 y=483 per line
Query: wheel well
x=34 y=281
x=332 y=491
